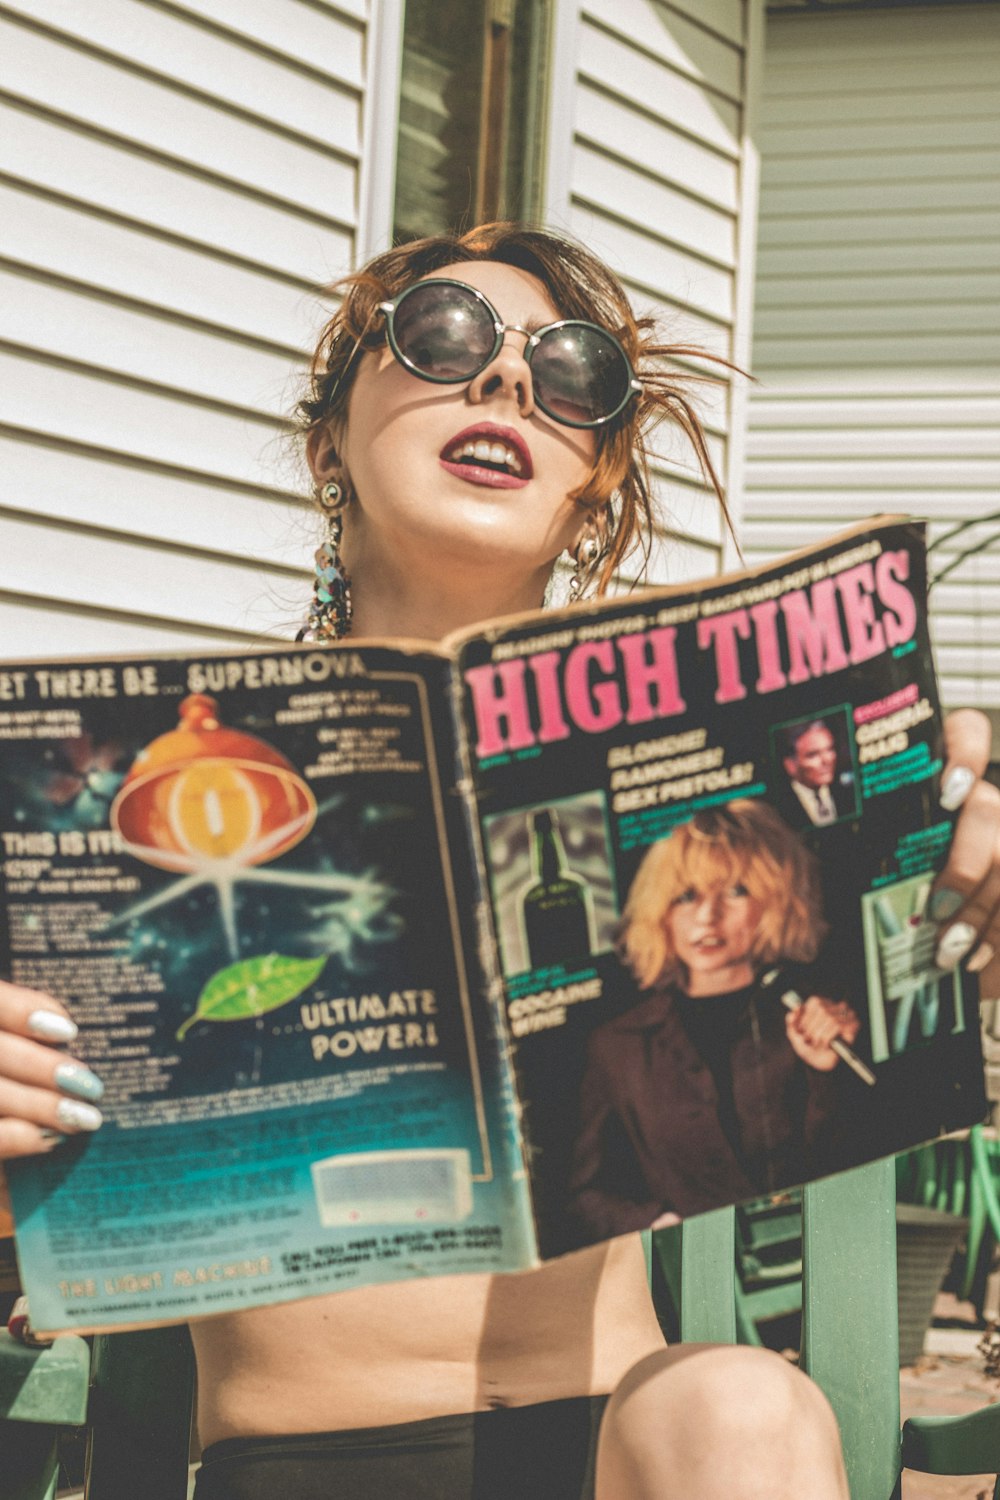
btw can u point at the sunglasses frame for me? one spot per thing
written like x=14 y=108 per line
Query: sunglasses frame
x=389 y=308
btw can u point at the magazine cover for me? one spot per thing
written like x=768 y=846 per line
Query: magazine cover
x=711 y=828
x=236 y=872
x=402 y=961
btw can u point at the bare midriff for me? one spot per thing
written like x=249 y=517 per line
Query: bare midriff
x=418 y=1349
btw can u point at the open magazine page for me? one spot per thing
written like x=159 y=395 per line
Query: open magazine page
x=711 y=822
x=235 y=873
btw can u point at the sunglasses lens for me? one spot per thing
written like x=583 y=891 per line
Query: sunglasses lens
x=581 y=376
x=443 y=331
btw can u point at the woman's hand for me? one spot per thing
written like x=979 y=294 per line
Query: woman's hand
x=45 y=1094
x=815 y=1024
x=965 y=900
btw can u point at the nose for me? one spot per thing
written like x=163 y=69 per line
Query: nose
x=708 y=907
x=508 y=374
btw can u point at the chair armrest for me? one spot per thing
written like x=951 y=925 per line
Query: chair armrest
x=954 y=1445
x=46 y=1385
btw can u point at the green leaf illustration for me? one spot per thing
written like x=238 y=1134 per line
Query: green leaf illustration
x=253 y=987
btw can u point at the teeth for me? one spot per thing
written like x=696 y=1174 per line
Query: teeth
x=484 y=451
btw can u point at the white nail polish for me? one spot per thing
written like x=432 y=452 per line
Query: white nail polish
x=956 y=787
x=50 y=1026
x=954 y=945
x=72 y=1114
x=983 y=956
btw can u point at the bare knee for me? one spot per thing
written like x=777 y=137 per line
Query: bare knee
x=731 y=1390
x=707 y=1420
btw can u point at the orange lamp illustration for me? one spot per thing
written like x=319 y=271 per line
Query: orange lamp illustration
x=212 y=804
x=204 y=793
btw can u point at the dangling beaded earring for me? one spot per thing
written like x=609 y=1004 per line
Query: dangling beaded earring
x=331 y=609
x=585 y=557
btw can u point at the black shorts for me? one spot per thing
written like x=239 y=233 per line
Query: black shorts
x=544 y=1452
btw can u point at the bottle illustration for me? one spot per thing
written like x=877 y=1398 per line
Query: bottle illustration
x=556 y=907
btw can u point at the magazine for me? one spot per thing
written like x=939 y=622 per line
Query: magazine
x=407 y=960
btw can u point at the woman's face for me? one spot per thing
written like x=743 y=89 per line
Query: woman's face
x=402 y=450
x=712 y=934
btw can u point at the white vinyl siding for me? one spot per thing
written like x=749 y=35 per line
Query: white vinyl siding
x=877 y=329
x=176 y=181
x=177 y=177
x=660 y=180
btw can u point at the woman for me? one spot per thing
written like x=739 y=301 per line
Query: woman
x=478 y=1386
x=711 y=1090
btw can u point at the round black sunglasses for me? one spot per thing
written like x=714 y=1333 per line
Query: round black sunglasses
x=445 y=331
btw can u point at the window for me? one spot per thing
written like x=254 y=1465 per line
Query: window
x=471 y=118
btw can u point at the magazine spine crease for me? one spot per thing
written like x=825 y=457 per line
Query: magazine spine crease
x=519 y=1195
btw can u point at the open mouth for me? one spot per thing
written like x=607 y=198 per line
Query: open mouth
x=488 y=455
x=493 y=455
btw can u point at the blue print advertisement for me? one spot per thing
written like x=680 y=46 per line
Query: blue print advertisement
x=235 y=872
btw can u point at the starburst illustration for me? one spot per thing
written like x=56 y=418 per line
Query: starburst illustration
x=358 y=914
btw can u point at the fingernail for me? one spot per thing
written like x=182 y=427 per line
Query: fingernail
x=52 y=1138
x=956 y=786
x=954 y=945
x=50 y=1026
x=73 y=1078
x=17 y=1319
x=983 y=955
x=19 y=1325
x=76 y=1116
x=944 y=903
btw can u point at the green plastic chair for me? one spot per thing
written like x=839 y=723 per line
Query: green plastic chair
x=850 y=1341
x=42 y=1391
x=134 y=1391
x=139 y=1414
x=768 y=1263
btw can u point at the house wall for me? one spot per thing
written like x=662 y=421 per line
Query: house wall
x=175 y=180
x=877 y=328
x=652 y=164
x=178 y=179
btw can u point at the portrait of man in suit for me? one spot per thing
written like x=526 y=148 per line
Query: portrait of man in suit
x=820 y=788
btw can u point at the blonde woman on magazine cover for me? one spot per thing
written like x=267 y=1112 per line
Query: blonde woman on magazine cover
x=709 y=1090
x=459 y=445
